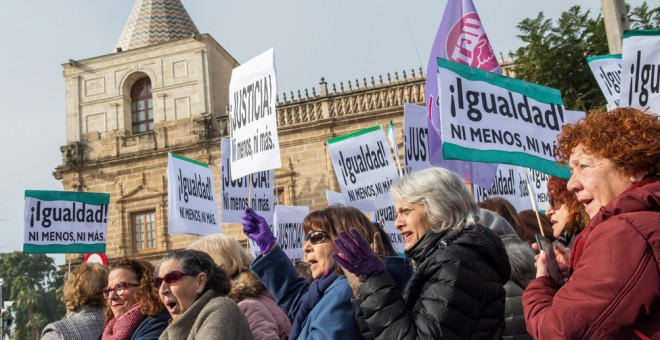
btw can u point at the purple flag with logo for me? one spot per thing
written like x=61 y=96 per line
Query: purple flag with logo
x=460 y=38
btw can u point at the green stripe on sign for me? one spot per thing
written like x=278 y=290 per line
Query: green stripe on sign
x=189 y=160
x=354 y=134
x=607 y=56
x=537 y=92
x=92 y=198
x=453 y=151
x=632 y=33
x=63 y=248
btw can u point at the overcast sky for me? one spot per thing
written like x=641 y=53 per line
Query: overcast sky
x=339 y=40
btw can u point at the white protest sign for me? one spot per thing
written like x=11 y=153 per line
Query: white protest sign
x=252 y=117
x=334 y=197
x=509 y=183
x=640 y=70
x=193 y=208
x=235 y=192
x=415 y=138
x=491 y=118
x=607 y=71
x=65 y=222
x=288 y=230
x=364 y=167
x=386 y=217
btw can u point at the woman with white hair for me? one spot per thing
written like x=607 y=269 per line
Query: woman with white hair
x=457 y=290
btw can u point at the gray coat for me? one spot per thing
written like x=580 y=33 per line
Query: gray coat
x=521 y=261
x=84 y=323
x=210 y=317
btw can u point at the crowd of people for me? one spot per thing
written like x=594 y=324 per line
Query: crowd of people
x=470 y=271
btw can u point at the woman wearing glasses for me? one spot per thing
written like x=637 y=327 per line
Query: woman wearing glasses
x=566 y=214
x=194 y=291
x=322 y=309
x=267 y=320
x=457 y=290
x=133 y=309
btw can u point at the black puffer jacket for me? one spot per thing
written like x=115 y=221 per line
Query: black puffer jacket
x=456 y=293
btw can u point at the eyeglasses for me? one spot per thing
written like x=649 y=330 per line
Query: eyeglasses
x=120 y=289
x=316 y=237
x=554 y=204
x=171 y=278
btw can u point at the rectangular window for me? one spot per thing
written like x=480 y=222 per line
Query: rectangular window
x=279 y=196
x=144 y=230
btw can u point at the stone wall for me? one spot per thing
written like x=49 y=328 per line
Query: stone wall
x=132 y=168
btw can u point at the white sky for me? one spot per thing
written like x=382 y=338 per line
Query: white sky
x=340 y=40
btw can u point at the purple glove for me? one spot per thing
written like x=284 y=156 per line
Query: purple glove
x=256 y=228
x=356 y=255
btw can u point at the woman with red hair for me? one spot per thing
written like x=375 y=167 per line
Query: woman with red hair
x=614 y=288
x=566 y=214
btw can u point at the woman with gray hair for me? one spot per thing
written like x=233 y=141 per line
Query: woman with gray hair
x=84 y=304
x=193 y=290
x=457 y=290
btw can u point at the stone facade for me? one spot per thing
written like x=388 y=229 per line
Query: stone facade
x=190 y=81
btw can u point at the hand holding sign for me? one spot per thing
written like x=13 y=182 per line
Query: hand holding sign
x=256 y=228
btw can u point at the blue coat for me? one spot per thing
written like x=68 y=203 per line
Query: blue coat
x=331 y=318
x=152 y=327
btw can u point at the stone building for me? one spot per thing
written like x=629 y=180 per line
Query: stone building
x=165 y=89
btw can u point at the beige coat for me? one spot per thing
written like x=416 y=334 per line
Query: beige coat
x=211 y=317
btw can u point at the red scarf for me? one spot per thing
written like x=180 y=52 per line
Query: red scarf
x=122 y=328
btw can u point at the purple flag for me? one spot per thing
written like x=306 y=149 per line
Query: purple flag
x=460 y=38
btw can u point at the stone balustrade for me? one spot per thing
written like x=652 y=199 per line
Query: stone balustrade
x=351 y=99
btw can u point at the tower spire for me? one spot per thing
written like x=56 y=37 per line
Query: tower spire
x=154 y=22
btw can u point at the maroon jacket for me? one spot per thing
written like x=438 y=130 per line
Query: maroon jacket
x=615 y=285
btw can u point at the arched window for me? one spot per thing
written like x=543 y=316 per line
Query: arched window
x=142 y=108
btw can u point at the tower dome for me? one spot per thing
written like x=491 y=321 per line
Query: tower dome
x=154 y=22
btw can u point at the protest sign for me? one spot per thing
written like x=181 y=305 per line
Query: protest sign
x=491 y=118
x=509 y=183
x=391 y=136
x=386 y=217
x=607 y=71
x=65 y=222
x=235 y=193
x=288 y=230
x=461 y=37
x=364 y=167
x=334 y=197
x=252 y=117
x=640 y=70
x=415 y=140
x=193 y=208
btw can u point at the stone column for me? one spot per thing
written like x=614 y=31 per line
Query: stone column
x=616 y=21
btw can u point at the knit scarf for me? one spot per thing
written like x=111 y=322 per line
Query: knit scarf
x=314 y=294
x=122 y=328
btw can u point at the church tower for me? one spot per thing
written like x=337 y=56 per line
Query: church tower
x=164 y=88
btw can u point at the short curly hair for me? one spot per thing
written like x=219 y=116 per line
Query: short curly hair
x=577 y=217
x=146 y=294
x=84 y=285
x=626 y=136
